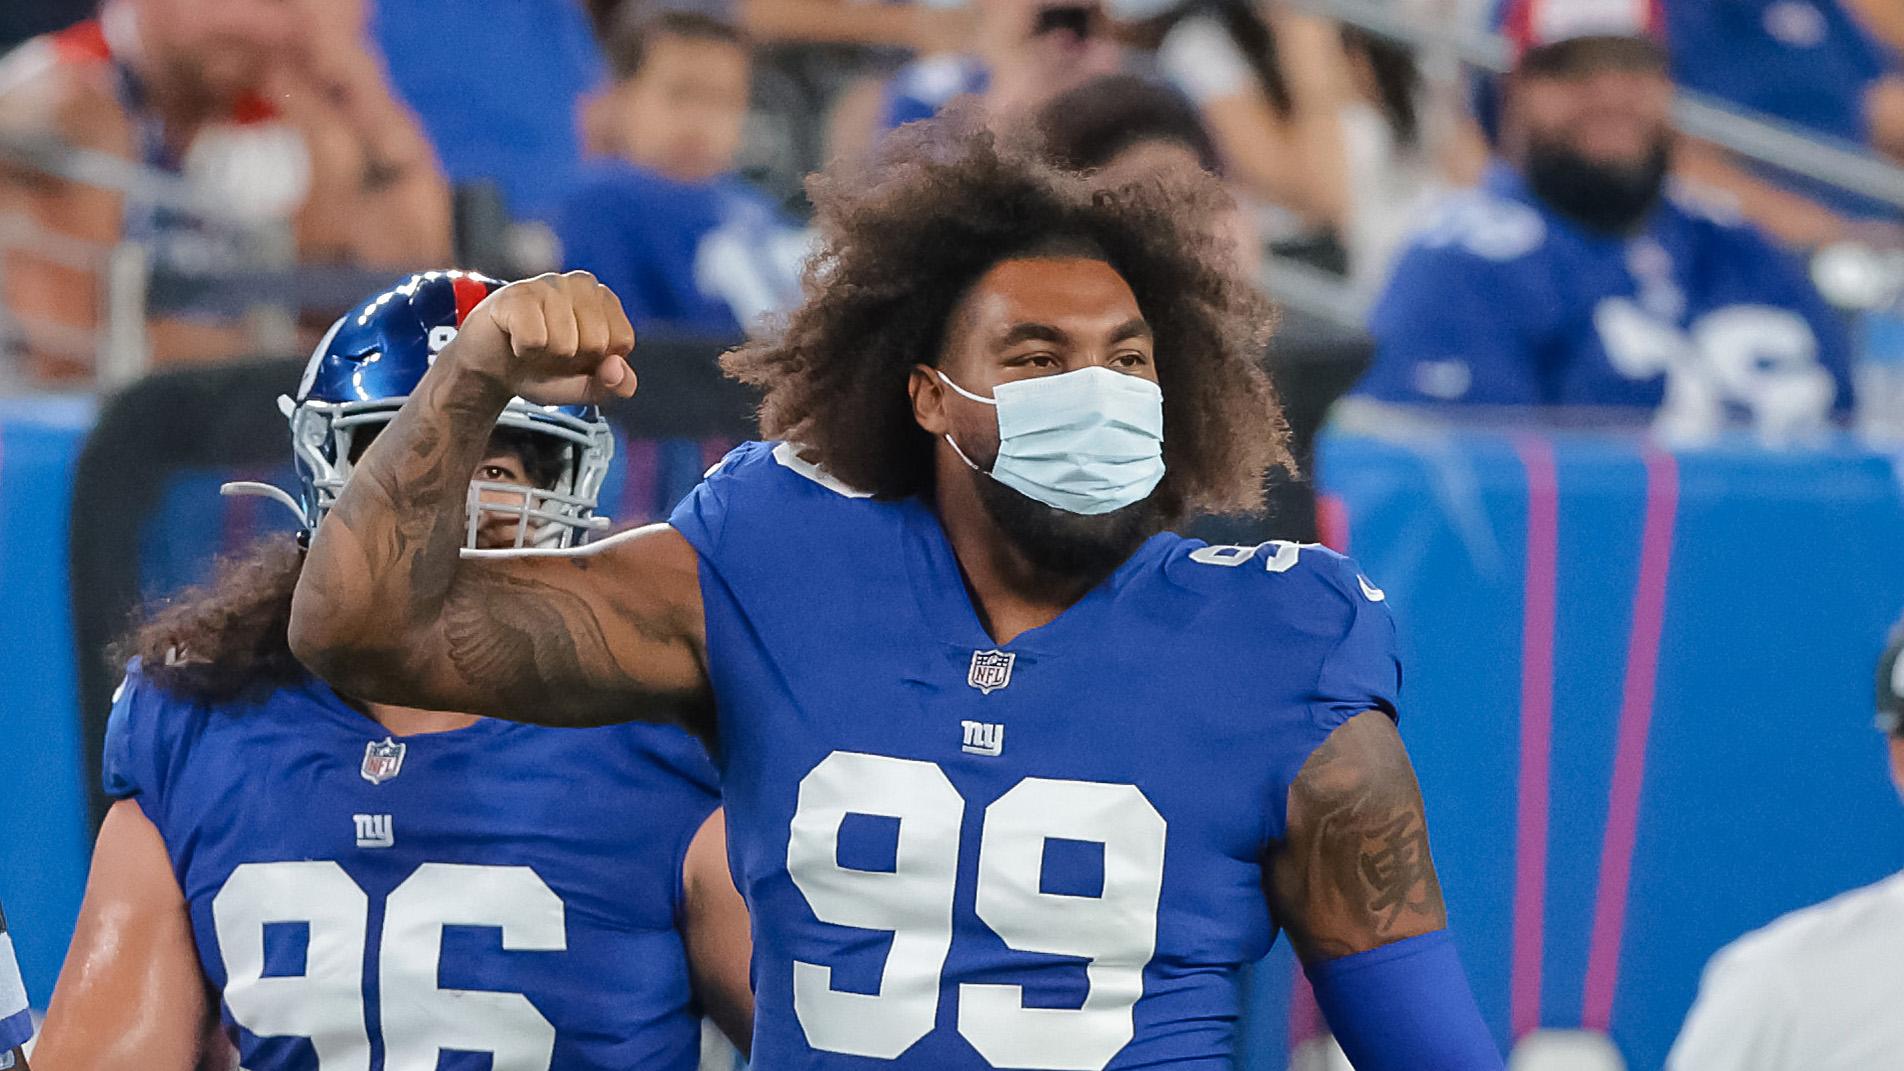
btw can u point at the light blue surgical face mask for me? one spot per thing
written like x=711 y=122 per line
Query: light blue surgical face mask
x=1089 y=441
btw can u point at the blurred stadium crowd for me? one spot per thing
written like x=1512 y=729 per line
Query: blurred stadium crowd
x=1688 y=212
x=190 y=180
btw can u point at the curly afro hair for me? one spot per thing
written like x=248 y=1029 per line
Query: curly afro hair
x=908 y=233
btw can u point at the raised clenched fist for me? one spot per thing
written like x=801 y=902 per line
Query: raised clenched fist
x=553 y=340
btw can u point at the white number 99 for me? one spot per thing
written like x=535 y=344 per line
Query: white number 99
x=1115 y=930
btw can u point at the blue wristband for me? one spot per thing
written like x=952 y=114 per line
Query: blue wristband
x=1405 y=1007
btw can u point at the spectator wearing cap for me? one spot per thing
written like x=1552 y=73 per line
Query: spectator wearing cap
x=1816 y=990
x=663 y=221
x=276 y=114
x=1576 y=277
x=1807 y=63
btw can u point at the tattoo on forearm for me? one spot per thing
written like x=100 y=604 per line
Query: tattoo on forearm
x=408 y=524
x=518 y=639
x=1356 y=872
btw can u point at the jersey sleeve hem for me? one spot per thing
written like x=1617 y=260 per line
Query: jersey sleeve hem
x=16 y=1022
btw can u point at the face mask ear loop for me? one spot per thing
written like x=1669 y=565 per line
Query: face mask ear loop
x=980 y=398
x=948 y=436
x=962 y=457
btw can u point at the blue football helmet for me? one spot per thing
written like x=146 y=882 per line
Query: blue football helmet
x=373 y=358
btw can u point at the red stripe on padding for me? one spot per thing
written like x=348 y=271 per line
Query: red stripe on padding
x=1527 y=966
x=469 y=294
x=1629 y=755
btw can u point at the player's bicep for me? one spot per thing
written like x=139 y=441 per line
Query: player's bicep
x=611 y=632
x=1353 y=872
x=718 y=936
x=131 y=993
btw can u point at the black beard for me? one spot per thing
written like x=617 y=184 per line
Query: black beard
x=1603 y=198
x=1066 y=545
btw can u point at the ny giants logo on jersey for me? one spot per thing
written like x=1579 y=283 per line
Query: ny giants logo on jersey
x=374 y=830
x=382 y=760
x=991 y=670
x=982 y=738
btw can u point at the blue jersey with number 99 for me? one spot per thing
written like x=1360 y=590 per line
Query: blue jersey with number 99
x=1045 y=854
x=500 y=896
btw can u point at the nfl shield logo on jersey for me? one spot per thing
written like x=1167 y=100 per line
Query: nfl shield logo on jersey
x=382 y=761
x=991 y=670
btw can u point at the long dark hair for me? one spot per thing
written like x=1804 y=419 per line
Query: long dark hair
x=941 y=202
x=228 y=638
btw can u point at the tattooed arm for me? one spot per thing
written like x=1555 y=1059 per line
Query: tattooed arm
x=388 y=610
x=1354 y=873
x=1355 y=888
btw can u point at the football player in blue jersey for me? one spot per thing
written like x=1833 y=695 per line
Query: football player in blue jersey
x=1579 y=275
x=351 y=884
x=1013 y=776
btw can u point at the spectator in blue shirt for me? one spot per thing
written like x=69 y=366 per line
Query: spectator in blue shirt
x=685 y=243
x=1805 y=62
x=1575 y=277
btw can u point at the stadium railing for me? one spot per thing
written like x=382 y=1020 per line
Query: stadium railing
x=1755 y=137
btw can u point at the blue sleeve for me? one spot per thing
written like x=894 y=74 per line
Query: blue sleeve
x=702 y=516
x=16 y=1022
x=1405 y=1007
x=1341 y=639
x=1446 y=332
x=683 y=755
x=1363 y=671
x=133 y=765
x=762 y=506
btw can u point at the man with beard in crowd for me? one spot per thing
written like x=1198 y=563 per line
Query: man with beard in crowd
x=1576 y=276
